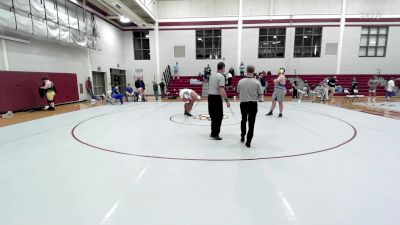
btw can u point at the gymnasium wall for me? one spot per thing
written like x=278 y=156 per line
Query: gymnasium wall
x=111 y=52
x=219 y=8
x=323 y=64
x=52 y=56
x=351 y=63
x=20 y=89
x=136 y=68
x=190 y=65
x=46 y=56
x=197 y=8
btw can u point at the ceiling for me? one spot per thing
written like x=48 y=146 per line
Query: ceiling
x=114 y=9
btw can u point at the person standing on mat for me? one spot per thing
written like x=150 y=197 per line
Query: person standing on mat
x=50 y=91
x=216 y=94
x=372 y=84
x=188 y=96
x=250 y=91
x=279 y=92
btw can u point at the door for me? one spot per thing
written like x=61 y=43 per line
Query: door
x=99 y=83
x=118 y=77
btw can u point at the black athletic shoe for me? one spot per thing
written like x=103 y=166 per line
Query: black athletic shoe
x=218 y=138
x=269 y=114
x=247 y=144
x=188 y=114
x=51 y=109
x=242 y=139
x=280 y=115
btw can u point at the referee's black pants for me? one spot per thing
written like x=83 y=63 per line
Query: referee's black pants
x=215 y=109
x=249 y=112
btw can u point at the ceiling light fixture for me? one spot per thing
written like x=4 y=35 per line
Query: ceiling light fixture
x=123 y=19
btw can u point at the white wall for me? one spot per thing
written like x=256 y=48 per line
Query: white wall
x=290 y=7
x=372 y=6
x=197 y=8
x=112 y=50
x=190 y=65
x=323 y=64
x=148 y=66
x=351 y=63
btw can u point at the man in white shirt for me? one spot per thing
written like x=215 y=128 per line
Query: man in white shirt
x=390 y=89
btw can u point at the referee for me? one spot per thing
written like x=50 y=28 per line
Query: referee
x=216 y=93
x=250 y=91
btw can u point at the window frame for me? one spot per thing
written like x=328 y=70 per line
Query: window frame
x=306 y=51
x=367 y=46
x=215 y=37
x=266 y=34
x=139 y=51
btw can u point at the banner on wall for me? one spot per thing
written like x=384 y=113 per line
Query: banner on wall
x=53 y=31
x=7 y=19
x=22 y=5
x=37 y=8
x=39 y=27
x=24 y=23
x=64 y=34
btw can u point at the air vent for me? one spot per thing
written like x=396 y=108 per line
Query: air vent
x=118 y=6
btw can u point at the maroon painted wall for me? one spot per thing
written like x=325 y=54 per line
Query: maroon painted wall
x=19 y=90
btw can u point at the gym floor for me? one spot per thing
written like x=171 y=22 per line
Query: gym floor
x=145 y=163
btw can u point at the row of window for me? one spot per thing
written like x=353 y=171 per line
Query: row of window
x=271 y=43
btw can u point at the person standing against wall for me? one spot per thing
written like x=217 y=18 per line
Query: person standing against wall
x=50 y=91
x=162 y=88
x=250 y=91
x=279 y=92
x=216 y=94
x=176 y=71
x=155 y=89
x=241 y=69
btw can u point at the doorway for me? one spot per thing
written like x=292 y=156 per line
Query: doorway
x=99 y=83
x=118 y=77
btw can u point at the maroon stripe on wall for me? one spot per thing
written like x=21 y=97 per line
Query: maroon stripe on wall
x=198 y=23
x=373 y=20
x=330 y=20
x=202 y=28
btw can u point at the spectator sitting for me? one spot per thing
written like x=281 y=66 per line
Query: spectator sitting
x=354 y=86
x=117 y=95
x=129 y=92
x=140 y=88
x=319 y=91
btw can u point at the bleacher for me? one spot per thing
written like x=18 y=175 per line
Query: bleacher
x=184 y=82
x=344 y=80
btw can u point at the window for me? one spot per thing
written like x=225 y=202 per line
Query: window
x=307 y=42
x=208 y=44
x=141 y=45
x=373 y=41
x=271 y=43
